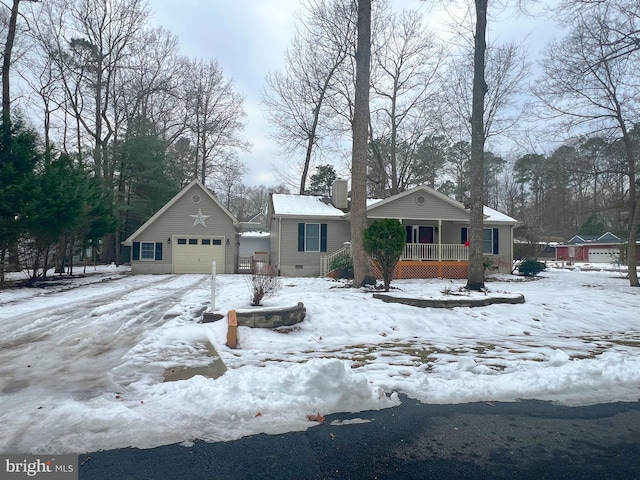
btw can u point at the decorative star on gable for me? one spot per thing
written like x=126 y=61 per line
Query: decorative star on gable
x=199 y=219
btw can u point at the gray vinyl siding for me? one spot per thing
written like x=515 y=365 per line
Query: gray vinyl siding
x=503 y=258
x=307 y=264
x=274 y=239
x=505 y=248
x=176 y=220
x=406 y=207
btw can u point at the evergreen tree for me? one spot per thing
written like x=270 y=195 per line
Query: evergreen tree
x=385 y=240
x=147 y=180
x=322 y=180
x=18 y=157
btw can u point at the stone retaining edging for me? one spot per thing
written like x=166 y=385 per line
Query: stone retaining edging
x=272 y=317
x=450 y=303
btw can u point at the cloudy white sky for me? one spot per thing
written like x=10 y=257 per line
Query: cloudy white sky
x=248 y=38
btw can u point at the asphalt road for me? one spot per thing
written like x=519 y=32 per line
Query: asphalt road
x=522 y=440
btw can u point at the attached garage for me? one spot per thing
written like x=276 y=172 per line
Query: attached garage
x=186 y=235
x=603 y=255
x=197 y=254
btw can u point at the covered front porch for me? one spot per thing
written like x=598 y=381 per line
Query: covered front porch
x=430 y=251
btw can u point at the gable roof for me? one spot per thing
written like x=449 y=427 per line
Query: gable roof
x=605 y=238
x=490 y=214
x=608 y=237
x=295 y=205
x=173 y=201
x=425 y=189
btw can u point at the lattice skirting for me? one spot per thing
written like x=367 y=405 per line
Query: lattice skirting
x=415 y=269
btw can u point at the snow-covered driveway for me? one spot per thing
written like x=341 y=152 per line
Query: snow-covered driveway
x=87 y=331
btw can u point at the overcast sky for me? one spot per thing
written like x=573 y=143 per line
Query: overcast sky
x=248 y=39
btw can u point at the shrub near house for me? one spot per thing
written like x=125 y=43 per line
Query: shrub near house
x=384 y=240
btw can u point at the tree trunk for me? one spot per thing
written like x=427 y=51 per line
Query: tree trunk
x=361 y=261
x=475 y=279
x=634 y=210
x=6 y=63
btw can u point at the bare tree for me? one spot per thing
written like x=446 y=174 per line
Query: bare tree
x=92 y=46
x=217 y=117
x=593 y=89
x=361 y=261
x=406 y=84
x=6 y=60
x=296 y=97
x=226 y=178
x=475 y=278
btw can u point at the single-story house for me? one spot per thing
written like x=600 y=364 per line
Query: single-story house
x=304 y=233
x=307 y=232
x=186 y=236
x=605 y=248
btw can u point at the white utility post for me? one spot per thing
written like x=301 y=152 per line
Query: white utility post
x=213 y=287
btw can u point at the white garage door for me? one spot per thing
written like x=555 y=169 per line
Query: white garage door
x=603 y=255
x=196 y=254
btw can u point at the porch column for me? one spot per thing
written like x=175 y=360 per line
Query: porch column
x=439 y=240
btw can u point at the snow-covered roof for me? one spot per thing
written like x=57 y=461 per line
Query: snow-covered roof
x=316 y=206
x=492 y=215
x=255 y=234
x=303 y=205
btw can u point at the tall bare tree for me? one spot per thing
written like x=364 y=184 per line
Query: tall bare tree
x=405 y=80
x=217 y=116
x=6 y=60
x=593 y=88
x=361 y=261
x=475 y=278
x=296 y=97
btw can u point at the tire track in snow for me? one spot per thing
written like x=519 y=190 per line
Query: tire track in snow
x=87 y=334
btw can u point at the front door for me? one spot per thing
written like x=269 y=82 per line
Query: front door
x=419 y=234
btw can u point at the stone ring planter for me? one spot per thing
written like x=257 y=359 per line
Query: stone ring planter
x=271 y=317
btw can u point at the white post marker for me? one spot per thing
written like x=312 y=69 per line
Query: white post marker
x=213 y=287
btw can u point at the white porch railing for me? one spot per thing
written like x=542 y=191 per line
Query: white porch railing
x=435 y=251
x=325 y=261
x=412 y=251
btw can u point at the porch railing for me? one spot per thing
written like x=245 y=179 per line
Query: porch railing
x=325 y=261
x=413 y=251
x=435 y=251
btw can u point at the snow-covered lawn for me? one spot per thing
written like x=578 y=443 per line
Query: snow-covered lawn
x=81 y=366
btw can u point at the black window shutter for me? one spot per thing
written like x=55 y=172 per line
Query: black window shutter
x=323 y=237
x=135 y=253
x=158 y=250
x=463 y=234
x=301 y=237
x=495 y=241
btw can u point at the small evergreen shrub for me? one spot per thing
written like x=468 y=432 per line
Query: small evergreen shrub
x=531 y=268
x=385 y=240
x=342 y=266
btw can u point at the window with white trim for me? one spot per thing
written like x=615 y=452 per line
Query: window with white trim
x=312 y=237
x=147 y=251
x=489 y=240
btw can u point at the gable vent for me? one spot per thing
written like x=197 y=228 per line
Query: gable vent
x=421 y=199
